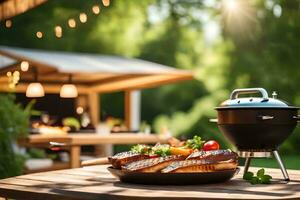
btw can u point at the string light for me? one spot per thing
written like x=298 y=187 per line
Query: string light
x=83 y=17
x=13 y=79
x=106 y=2
x=39 y=34
x=24 y=66
x=72 y=23
x=96 y=9
x=8 y=23
x=79 y=110
x=58 y=31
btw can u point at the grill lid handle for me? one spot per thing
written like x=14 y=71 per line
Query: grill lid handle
x=235 y=93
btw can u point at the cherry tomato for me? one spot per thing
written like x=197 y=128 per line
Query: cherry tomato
x=211 y=145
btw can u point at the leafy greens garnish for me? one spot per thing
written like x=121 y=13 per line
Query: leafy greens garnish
x=260 y=178
x=141 y=148
x=158 y=149
x=195 y=143
x=161 y=150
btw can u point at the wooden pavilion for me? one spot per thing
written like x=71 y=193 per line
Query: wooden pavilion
x=11 y=8
x=92 y=74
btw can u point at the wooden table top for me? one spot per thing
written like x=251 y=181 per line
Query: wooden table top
x=96 y=183
x=92 y=139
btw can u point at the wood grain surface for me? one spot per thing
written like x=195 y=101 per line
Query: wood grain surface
x=95 y=182
x=92 y=139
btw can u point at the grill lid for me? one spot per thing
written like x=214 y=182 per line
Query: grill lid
x=253 y=102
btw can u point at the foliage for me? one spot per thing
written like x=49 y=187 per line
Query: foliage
x=14 y=122
x=260 y=178
x=269 y=57
x=36 y=153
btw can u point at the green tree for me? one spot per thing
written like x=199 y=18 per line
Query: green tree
x=269 y=56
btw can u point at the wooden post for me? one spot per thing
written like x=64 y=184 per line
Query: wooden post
x=94 y=108
x=127 y=109
x=75 y=152
x=132 y=109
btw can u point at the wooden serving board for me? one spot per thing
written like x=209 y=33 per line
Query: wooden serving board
x=96 y=182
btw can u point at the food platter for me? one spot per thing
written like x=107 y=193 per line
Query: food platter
x=177 y=163
x=173 y=178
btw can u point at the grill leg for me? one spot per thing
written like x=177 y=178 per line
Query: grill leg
x=247 y=164
x=281 y=165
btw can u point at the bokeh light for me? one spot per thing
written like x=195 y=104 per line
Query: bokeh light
x=83 y=17
x=24 y=66
x=106 y=2
x=96 y=9
x=58 y=31
x=239 y=16
x=39 y=34
x=8 y=23
x=72 y=23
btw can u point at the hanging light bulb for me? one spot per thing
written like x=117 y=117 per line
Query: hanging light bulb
x=58 y=31
x=8 y=23
x=96 y=9
x=35 y=89
x=72 y=23
x=79 y=110
x=39 y=34
x=83 y=17
x=106 y=2
x=68 y=90
x=24 y=66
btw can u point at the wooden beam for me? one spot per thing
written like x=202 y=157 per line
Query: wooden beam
x=8 y=68
x=114 y=78
x=141 y=82
x=11 y=8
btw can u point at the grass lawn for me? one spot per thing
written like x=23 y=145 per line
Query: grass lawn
x=290 y=161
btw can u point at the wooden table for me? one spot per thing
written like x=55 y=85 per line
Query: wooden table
x=96 y=183
x=75 y=141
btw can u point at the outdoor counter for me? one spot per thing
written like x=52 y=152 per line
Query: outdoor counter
x=74 y=141
x=97 y=183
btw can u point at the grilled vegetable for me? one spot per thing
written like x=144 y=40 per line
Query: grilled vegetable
x=125 y=157
x=192 y=166
x=215 y=155
x=180 y=151
x=152 y=164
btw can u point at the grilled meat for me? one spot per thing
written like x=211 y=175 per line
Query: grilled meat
x=214 y=156
x=152 y=164
x=192 y=166
x=123 y=158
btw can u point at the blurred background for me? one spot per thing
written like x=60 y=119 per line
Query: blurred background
x=227 y=44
